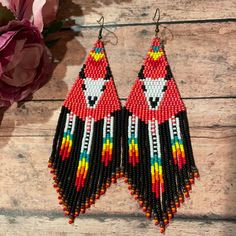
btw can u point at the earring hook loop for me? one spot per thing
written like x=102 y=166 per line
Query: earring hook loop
x=101 y=23
x=156 y=18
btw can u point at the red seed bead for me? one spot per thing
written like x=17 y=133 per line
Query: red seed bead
x=196 y=174
x=126 y=180
x=148 y=215
x=121 y=174
x=144 y=209
x=97 y=196
x=71 y=221
x=191 y=181
x=170 y=216
x=49 y=165
x=136 y=196
x=177 y=204
x=141 y=203
x=129 y=186
x=76 y=214
x=162 y=229
x=173 y=209
x=156 y=222
x=188 y=187
x=166 y=222
x=132 y=192
x=186 y=194
x=181 y=200
x=82 y=210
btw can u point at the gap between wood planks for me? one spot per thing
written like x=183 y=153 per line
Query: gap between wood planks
x=124 y=99
x=192 y=136
x=175 y=22
x=139 y=216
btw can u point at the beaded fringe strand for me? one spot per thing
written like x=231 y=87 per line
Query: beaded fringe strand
x=85 y=156
x=157 y=154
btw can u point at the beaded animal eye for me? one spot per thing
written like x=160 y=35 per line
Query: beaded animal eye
x=164 y=88
x=103 y=88
x=144 y=88
x=83 y=87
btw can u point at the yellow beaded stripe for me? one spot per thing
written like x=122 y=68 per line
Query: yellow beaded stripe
x=107 y=140
x=67 y=141
x=177 y=143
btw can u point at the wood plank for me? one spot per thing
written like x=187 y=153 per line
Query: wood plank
x=40 y=226
x=40 y=118
x=127 y=11
x=26 y=184
x=199 y=56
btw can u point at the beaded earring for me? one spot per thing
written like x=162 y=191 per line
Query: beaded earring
x=85 y=156
x=158 y=160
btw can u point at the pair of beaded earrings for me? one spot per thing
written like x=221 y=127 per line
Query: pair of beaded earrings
x=157 y=159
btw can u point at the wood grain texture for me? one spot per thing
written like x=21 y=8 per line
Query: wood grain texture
x=26 y=184
x=39 y=118
x=40 y=226
x=202 y=58
x=138 y=11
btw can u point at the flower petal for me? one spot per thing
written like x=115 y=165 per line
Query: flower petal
x=50 y=11
x=32 y=55
x=25 y=62
x=10 y=4
x=6 y=15
x=17 y=56
x=38 y=13
x=22 y=9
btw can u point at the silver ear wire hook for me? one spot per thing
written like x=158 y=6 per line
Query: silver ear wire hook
x=156 y=18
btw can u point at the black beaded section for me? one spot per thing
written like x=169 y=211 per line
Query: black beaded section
x=176 y=181
x=98 y=177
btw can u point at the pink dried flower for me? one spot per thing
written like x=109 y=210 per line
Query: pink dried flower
x=24 y=61
x=39 y=12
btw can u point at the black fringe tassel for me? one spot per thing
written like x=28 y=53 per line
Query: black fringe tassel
x=99 y=177
x=177 y=183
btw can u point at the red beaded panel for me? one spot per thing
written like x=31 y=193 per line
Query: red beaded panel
x=155 y=65
x=95 y=69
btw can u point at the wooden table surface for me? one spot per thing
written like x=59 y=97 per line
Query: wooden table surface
x=202 y=55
